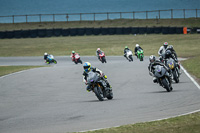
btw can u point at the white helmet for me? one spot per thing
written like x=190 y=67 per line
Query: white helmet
x=137 y=45
x=45 y=54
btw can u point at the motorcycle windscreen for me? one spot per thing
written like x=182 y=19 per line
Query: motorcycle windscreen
x=159 y=71
x=92 y=77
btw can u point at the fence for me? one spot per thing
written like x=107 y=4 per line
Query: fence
x=155 y=14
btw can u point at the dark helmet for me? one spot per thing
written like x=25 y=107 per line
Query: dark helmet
x=170 y=47
x=165 y=44
x=168 y=54
x=152 y=58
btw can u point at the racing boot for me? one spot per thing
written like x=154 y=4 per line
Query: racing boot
x=155 y=80
x=88 y=88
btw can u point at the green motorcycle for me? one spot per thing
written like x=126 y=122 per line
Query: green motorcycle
x=140 y=54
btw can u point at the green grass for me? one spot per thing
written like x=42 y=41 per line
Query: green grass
x=4 y=70
x=185 y=45
x=184 y=124
x=193 y=66
x=189 y=22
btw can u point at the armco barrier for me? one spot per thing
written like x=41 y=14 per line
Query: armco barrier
x=134 y=30
x=94 y=31
x=179 y=30
x=81 y=31
x=104 y=31
x=142 y=30
x=157 y=30
x=49 y=33
x=126 y=31
x=65 y=32
x=33 y=33
x=172 y=30
x=165 y=30
x=2 y=35
x=112 y=31
x=18 y=34
x=9 y=34
x=42 y=33
x=150 y=30
x=119 y=31
x=25 y=33
x=73 y=32
x=89 y=31
x=97 y=31
x=57 y=32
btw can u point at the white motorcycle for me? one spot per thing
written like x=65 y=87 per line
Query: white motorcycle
x=129 y=55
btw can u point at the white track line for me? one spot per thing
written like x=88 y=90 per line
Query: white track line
x=185 y=71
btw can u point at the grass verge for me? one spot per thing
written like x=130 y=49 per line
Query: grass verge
x=189 y=22
x=183 y=124
x=4 y=70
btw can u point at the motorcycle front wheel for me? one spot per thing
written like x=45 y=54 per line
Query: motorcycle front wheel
x=98 y=93
x=166 y=85
x=175 y=75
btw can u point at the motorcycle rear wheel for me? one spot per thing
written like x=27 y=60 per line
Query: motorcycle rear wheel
x=109 y=94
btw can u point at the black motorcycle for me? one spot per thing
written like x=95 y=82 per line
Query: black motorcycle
x=99 y=86
x=163 y=77
x=175 y=71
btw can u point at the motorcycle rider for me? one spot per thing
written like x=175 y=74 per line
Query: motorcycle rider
x=173 y=52
x=169 y=54
x=87 y=68
x=137 y=47
x=162 y=50
x=125 y=50
x=73 y=55
x=98 y=51
x=151 y=67
x=45 y=57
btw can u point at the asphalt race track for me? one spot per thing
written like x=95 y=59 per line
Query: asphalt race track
x=54 y=99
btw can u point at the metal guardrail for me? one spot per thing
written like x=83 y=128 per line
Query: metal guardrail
x=154 y=14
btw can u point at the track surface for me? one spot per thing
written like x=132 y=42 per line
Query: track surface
x=54 y=99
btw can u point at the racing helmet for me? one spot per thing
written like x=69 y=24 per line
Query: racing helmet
x=126 y=46
x=98 y=49
x=45 y=54
x=87 y=66
x=73 y=52
x=152 y=58
x=165 y=44
x=137 y=45
x=168 y=53
x=170 y=47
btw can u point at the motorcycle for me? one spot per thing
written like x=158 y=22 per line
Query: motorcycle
x=99 y=86
x=102 y=57
x=140 y=54
x=129 y=55
x=77 y=59
x=163 y=77
x=175 y=70
x=50 y=59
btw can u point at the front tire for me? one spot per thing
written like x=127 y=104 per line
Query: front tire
x=55 y=61
x=175 y=75
x=131 y=58
x=98 y=93
x=166 y=85
x=141 y=58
